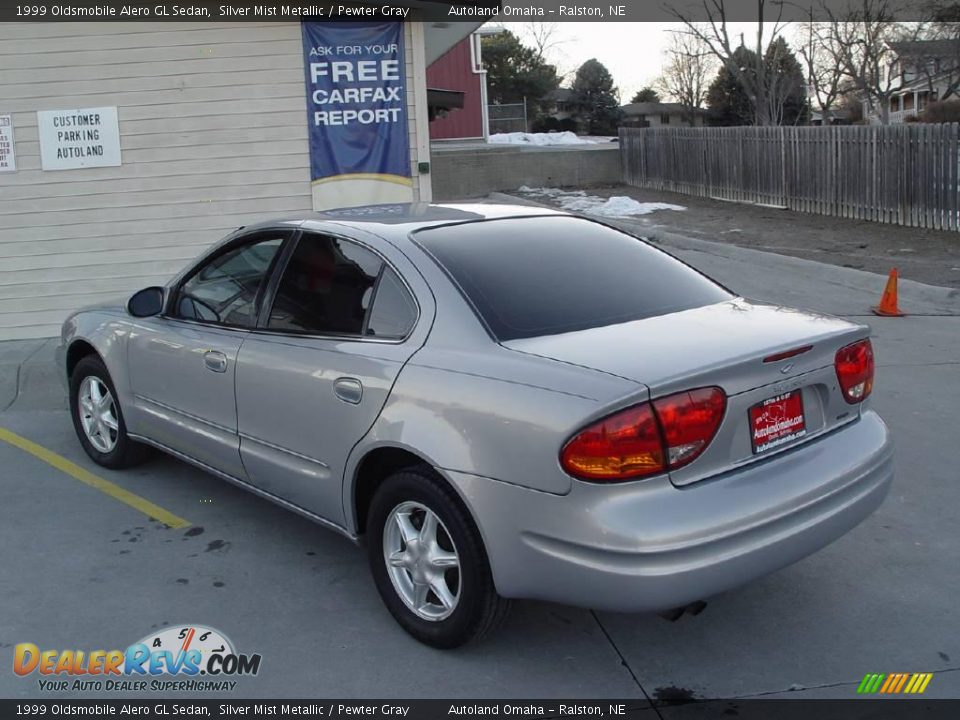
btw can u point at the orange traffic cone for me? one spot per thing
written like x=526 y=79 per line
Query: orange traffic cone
x=888 y=301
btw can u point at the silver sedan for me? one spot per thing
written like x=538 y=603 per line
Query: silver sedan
x=500 y=402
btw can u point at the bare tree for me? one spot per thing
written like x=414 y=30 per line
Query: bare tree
x=687 y=72
x=546 y=38
x=825 y=74
x=543 y=36
x=938 y=62
x=756 y=81
x=861 y=37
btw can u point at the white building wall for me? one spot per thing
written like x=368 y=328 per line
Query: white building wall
x=213 y=132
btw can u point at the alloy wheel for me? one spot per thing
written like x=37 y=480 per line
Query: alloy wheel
x=98 y=414
x=422 y=561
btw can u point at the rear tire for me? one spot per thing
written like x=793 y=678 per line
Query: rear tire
x=98 y=418
x=432 y=573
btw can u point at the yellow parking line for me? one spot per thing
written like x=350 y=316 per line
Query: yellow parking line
x=105 y=486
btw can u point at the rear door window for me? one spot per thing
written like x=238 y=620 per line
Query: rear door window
x=326 y=288
x=533 y=276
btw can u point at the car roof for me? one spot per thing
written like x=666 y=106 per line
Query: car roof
x=401 y=219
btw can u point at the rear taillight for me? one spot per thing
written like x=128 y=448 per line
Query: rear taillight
x=689 y=421
x=854 y=364
x=623 y=446
x=646 y=439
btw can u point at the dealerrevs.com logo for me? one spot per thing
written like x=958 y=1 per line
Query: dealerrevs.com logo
x=178 y=658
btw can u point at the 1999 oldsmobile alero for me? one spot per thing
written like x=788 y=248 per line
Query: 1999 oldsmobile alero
x=503 y=402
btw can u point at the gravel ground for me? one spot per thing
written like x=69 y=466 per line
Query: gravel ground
x=927 y=256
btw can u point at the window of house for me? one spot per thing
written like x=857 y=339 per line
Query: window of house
x=664 y=118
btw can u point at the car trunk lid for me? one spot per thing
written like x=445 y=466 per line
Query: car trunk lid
x=726 y=345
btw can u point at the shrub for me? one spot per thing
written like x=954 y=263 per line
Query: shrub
x=941 y=112
x=546 y=123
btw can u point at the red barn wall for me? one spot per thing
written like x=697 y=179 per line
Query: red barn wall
x=454 y=71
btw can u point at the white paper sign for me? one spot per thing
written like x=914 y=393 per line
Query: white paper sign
x=71 y=139
x=8 y=158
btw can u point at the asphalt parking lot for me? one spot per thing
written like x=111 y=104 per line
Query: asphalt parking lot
x=82 y=569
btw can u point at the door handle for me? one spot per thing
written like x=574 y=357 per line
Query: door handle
x=348 y=389
x=215 y=360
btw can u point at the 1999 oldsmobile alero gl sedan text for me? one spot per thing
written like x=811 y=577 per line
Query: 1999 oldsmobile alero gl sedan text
x=502 y=402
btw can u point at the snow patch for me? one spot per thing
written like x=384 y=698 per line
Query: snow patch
x=539 y=139
x=618 y=206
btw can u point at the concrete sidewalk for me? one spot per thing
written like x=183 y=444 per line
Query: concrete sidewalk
x=28 y=376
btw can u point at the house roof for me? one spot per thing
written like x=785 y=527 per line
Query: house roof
x=656 y=108
x=927 y=48
x=561 y=94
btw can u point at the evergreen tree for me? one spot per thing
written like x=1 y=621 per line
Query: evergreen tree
x=647 y=94
x=515 y=72
x=788 y=87
x=786 y=90
x=596 y=99
x=726 y=98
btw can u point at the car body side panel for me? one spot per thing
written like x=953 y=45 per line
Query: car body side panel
x=471 y=420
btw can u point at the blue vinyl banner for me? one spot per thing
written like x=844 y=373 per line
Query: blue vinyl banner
x=356 y=103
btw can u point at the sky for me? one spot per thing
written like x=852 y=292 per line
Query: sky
x=633 y=52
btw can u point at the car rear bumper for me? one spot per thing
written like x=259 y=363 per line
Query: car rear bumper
x=649 y=545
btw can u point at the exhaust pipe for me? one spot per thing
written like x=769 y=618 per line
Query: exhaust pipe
x=674 y=614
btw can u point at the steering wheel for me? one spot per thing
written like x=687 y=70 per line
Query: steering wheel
x=198 y=310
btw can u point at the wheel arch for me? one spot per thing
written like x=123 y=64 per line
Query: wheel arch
x=372 y=468
x=78 y=349
x=375 y=465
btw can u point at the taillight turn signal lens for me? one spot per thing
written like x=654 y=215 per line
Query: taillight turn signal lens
x=646 y=439
x=854 y=364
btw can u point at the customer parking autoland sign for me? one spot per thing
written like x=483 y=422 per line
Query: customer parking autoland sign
x=82 y=138
x=357 y=113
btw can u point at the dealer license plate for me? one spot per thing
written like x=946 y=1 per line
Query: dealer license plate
x=777 y=421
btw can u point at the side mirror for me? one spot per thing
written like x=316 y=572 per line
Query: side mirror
x=146 y=303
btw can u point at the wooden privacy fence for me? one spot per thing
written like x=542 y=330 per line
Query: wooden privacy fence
x=902 y=174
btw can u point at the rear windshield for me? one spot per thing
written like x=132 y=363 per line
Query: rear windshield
x=534 y=276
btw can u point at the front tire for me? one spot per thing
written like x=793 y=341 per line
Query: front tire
x=97 y=417
x=429 y=563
